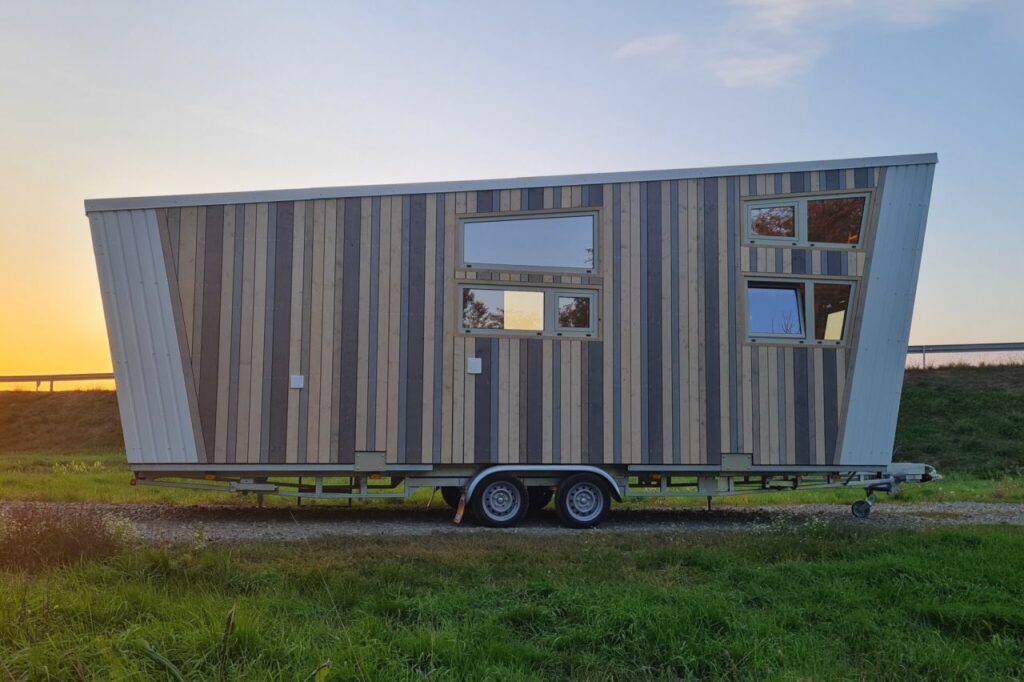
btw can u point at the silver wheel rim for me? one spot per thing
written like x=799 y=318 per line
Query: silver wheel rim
x=584 y=501
x=501 y=501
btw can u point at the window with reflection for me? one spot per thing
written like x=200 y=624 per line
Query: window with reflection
x=775 y=309
x=773 y=221
x=503 y=309
x=574 y=312
x=835 y=220
x=831 y=302
x=545 y=242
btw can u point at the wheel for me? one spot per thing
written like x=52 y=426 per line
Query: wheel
x=861 y=509
x=539 y=497
x=583 y=501
x=451 y=495
x=500 y=501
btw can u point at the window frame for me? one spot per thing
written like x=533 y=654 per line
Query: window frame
x=807 y=309
x=594 y=215
x=551 y=328
x=800 y=202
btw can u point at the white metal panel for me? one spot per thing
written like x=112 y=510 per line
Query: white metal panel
x=881 y=353
x=136 y=296
x=500 y=183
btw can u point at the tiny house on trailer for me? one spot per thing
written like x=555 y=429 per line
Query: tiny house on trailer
x=701 y=332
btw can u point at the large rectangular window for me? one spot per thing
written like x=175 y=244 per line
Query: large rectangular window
x=798 y=311
x=549 y=312
x=807 y=221
x=534 y=242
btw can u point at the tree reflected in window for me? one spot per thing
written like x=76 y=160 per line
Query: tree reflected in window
x=775 y=309
x=835 y=221
x=773 y=221
x=574 y=312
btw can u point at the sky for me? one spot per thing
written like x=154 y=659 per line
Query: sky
x=112 y=99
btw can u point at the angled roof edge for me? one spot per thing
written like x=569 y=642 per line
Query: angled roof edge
x=176 y=200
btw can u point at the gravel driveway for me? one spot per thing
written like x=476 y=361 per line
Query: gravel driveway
x=232 y=523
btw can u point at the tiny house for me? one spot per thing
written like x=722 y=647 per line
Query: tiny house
x=702 y=332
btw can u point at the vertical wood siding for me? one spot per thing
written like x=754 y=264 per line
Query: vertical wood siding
x=360 y=296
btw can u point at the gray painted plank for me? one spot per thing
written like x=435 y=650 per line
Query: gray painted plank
x=440 y=331
x=556 y=402
x=801 y=405
x=403 y=343
x=616 y=294
x=268 y=336
x=307 y=309
x=483 y=202
x=236 y=334
x=348 y=354
x=523 y=454
x=209 y=360
x=711 y=330
x=482 y=401
x=655 y=435
x=535 y=199
x=732 y=222
x=278 y=417
x=674 y=334
x=595 y=401
x=534 y=390
x=831 y=403
x=755 y=385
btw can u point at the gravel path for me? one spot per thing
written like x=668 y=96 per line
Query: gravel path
x=233 y=523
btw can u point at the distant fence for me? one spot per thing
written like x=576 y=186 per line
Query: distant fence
x=923 y=351
x=40 y=379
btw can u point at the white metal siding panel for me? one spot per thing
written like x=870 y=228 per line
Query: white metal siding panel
x=143 y=343
x=877 y=380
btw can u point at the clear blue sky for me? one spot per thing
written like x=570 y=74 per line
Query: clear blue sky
x=116 y=99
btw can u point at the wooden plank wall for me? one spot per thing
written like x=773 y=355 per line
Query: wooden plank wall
x=360 y=296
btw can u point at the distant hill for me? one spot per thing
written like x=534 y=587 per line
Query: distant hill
x=962 y=419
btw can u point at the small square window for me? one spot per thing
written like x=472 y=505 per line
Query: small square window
x=574 y=312
x=831 y=301
x=773 y=221
x=835 y=221
x=775 y=309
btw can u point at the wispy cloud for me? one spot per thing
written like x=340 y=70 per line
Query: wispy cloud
x=650 y=46
x=768 y=43
x=762 y=70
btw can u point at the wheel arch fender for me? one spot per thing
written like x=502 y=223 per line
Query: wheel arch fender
x=558 y=469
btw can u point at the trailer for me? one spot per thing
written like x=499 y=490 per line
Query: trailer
x=705 y=332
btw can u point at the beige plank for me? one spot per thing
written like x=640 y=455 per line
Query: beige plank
x=383 y=326
x=458 y=398
x=471 y=202
x=549 y=197
x=702 y=321
x=636 y=426
x=748 y=402
x=327 y=343
x=515 y=200
x=259 y=325
x=469 y=420
x=567 y=196
x=198 y=278
x=607 y=322
x=667 y=438
x=315 y=335
x=296 y=331
x=722 y=318
x=505 y=200
x=576 y=196
x=460 y=202
x=451 y=308
x=245 y=335
x=787 y=185
x=224 y=342
x=626 y=321
x=394 y=322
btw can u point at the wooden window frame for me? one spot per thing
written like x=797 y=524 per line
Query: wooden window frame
x=551 y=328
x=594 y=214
x=807 y=339
x=800 y=202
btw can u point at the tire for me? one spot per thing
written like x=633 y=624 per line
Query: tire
x=583 y=501
x=861 y=509
x=500 y=501
x=451 y=495
x=539 y=497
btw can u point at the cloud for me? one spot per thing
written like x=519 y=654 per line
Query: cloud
x=650 y=46
x=768 y=43
x=762 y=70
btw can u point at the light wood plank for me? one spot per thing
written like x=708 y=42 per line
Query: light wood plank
x=224 y=341
x=187 y=246
x=295 y=330
x=452 y=312
x=316 y=336
x=429 y=287
x=546 y=404
x=363 y=351
x=395 y=313
x=259 y=325
x=635 y=348
x=383 y=328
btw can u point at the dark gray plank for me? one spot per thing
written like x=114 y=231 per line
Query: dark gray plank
x=674 y=332
x=535 y=199
x=349 y=313
x=712 y=388
x=595 y=402
x=440 y=331
x=832 y=180
x=403 y=343
x=733 y=227
x=654 y=442
x=278 y=416
x=372 y=338
x=801 y=406
x=209 y=360
x=831 y=403
x=416 y=317
x=483 y=201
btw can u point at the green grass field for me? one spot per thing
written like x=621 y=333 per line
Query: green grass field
x=816 y=602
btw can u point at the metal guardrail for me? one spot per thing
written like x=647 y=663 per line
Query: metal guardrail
x=39 y=379
x=923 y=351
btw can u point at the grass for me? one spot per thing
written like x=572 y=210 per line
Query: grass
x=61 y=421
x=816 y=602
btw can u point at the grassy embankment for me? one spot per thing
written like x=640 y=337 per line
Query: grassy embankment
x=969 y=422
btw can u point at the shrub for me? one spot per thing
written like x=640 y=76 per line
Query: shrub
x=34 y=537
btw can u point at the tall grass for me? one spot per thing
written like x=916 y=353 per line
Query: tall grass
x=33 y=537
x=817 y=602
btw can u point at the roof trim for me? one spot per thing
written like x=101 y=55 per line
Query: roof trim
x=172 y=201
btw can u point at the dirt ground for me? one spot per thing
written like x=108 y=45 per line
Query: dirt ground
x=158 y=523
